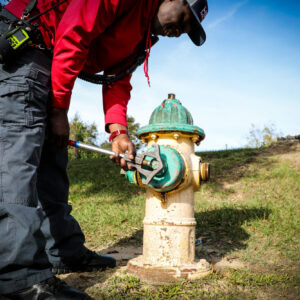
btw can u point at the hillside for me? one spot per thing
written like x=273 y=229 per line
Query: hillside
x=248 y=226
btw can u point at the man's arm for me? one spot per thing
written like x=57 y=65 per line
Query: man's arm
x=82 y=22
x=80 y=25
x=58 y=126
x=115 y=99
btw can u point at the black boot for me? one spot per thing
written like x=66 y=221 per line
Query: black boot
x=90 y=261
x=50 y=289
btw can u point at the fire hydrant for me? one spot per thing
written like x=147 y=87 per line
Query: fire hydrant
x=169 y=223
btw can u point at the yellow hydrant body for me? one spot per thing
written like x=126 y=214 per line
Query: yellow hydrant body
x=169 y=223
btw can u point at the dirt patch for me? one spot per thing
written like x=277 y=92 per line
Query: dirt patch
x=85 y=280
x=229 y=263
x=293 y=158
x=123 y=253
x=285 y=152
x=282 y=148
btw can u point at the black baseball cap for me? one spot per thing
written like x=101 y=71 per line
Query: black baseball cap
x=199 y=9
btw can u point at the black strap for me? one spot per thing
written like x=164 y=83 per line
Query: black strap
x=109 y=79
x=96 y=78
x=44 y=12
x=29 y=8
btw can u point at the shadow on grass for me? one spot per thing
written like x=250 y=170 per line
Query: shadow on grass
x=101 y=177
x=220 y=231
x=83 y=281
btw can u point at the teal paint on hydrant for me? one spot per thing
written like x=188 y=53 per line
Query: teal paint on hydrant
x=131 y=176
x=171 y=116
x=171 y=174
x=170 y=127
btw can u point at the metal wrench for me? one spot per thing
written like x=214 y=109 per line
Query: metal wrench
x=154 y=166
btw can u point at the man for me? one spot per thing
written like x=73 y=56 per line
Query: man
x=38 y=236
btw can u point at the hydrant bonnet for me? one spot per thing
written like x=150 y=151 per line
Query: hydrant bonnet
x=171 y=116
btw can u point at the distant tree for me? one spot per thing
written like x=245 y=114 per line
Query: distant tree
x=83 y=132
x=262 y=137
x=133 y=128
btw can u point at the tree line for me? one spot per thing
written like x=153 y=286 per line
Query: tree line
x=88 y=133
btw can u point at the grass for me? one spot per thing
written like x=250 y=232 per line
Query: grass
x=107 y=207
x=247 y=220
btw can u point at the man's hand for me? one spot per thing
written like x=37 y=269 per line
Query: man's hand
x=121 y=144
x=58 y=130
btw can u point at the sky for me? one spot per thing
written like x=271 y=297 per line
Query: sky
x=247 y=72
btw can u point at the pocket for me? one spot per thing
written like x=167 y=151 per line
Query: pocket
x=12 y=102
x=25 y=89
x=7 y=234
x=37 y=102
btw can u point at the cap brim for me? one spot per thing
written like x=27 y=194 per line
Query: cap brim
x=198 y=35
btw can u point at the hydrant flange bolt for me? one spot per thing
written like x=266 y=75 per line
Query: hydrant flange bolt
x=153 y=137
x=176 y=136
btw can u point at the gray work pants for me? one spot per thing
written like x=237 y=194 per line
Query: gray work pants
x=36 y=229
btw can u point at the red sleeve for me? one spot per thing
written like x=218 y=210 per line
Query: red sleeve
x=115 y=99
x=81 y=23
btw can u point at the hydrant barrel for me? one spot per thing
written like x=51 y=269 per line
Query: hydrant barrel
x=169 y=223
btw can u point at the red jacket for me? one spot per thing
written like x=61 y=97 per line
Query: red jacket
x=92 y=35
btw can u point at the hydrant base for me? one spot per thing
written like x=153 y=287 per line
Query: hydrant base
x=158 y=275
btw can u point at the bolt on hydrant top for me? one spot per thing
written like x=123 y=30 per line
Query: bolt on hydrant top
x=171 y=116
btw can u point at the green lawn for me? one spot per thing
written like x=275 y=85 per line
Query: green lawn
x=247 y=218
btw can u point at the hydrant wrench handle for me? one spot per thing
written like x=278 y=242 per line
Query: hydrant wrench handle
x=138 y=162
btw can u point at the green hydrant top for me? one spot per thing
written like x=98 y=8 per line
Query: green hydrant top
x=172 y=116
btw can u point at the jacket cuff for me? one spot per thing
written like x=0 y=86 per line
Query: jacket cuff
x=115 y=118
x=61 y=101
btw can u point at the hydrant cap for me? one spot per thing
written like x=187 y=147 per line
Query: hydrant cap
x=172 y=116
